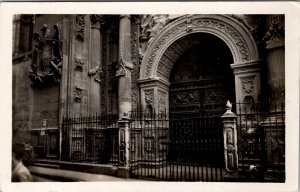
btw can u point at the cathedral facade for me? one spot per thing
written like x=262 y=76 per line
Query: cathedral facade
x=152 y=90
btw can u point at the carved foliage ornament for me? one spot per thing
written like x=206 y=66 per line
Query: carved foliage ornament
x=96 y=20
x=79 y=28
x=97 y=73
x=122 y=66
x=47 y=59
x=247 y=85
x=199 y=24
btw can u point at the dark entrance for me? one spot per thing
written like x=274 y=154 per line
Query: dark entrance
x=187 y=143
x=201 y=83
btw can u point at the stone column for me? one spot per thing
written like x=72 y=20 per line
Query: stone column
x=95 y=68
x=124 y=67
x=230 y=142
x=275 y=60
x=16 y=34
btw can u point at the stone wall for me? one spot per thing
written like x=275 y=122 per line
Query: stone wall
x=21 y=101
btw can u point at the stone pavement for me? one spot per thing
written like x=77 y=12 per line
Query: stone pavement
x=44 y=174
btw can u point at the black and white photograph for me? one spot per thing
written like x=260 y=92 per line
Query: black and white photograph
x=152 y=97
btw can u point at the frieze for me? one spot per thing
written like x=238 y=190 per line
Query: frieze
x=79 y=27
x=247 y=85
x=47 y=59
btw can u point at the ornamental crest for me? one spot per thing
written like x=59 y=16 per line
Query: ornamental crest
x=47 y=60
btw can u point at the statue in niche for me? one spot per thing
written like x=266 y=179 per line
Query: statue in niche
x=47 y=59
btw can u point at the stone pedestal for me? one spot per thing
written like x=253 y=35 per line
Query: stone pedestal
x=230 y=143
x=124 y=153
x=154 y=95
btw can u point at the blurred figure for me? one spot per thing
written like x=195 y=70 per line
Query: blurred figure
x=20 y=173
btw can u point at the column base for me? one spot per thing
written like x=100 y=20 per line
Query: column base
x=123 y=172
x=232 y=177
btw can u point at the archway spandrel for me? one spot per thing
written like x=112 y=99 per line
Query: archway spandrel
x=233 y=33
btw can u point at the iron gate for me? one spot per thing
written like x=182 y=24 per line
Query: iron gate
x=176 y=147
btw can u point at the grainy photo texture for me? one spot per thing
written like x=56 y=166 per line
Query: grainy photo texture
x=148 y=97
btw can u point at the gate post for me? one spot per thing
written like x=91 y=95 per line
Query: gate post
x=230 y=143
x=124 y=139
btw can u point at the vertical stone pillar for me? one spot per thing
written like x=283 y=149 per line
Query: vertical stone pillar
x=95 y=65
x=124 y=139
x=247 y=82
x=230 y=142
x=124 y=67
x=16 y=34
x=275 y=59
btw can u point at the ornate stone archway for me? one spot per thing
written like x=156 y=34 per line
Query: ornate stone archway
x=169 y=44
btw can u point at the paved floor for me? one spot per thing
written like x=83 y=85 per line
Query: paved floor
x=43 y=174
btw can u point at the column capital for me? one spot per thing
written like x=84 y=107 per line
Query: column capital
x=124 y=15
x=96 y=21
x=246 y=67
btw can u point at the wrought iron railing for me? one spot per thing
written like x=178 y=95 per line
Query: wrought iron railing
x=186 y=146
x=261 y=140
x=92 y=139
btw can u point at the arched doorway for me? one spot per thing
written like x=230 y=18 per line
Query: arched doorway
x=201 y=81
x=190 y=69
x=202 y=75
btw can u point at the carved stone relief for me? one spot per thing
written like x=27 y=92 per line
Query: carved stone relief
x=78 y=94
x=79 y=62
x=96 y=20
x=274 y=37
x=79 y=27
x=162 y=102
x=149 y=96
x=97 y=73
x=198 y=24
x=47 y=59
x=247 y=85
x=150 y=25
x=185 y=97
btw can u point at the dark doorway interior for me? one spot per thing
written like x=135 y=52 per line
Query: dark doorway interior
x=201 y=83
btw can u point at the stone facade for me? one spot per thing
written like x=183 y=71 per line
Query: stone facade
x=115 y=64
